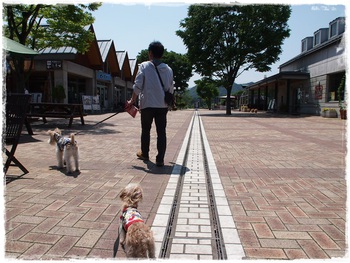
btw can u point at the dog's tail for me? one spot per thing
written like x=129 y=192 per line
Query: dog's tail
x=72 y=138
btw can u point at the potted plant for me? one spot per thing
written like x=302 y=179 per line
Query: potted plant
x=342 y=104
x=244 y=108
x=58 y=94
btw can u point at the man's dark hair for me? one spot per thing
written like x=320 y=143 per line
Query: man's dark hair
x=156 y=48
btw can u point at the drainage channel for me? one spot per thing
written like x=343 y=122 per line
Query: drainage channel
x=187 y=224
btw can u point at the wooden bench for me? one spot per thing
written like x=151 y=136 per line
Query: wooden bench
x=16 y=109
x=57 y=110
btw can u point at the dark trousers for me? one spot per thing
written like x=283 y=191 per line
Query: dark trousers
x=159 y=116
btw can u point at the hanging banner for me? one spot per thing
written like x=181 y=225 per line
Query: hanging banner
x=318 y=92
x=87 y=102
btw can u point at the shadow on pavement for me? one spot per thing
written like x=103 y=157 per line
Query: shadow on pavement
x=238 y=114
x=154 y=169
x=75 y=174
x=90 y=128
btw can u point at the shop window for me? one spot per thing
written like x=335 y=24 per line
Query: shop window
x=39 y=86
x=76 y=88
x=333 y=84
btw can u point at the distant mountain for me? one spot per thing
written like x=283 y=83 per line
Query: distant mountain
x=192 y=92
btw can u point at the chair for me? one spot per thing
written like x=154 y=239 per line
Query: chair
x=16 y=110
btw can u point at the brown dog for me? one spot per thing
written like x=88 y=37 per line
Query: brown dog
x=136 y=237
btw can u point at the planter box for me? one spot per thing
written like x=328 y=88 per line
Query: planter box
x=329 y=114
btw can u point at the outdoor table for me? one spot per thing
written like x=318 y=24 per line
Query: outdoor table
x=57 y=110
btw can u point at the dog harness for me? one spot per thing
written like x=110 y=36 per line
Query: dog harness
x=129 y=216
x=62 y=141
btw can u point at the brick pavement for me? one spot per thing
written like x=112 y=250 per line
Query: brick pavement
x=53 y=216
x=283 y=177
x=285 y=182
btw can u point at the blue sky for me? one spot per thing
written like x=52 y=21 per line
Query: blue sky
x=133 y=26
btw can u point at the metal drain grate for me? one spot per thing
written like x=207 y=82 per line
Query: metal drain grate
x=169 y=232
x=218 y=238
x=218 y=246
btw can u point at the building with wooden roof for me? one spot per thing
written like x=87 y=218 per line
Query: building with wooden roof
x=101 y=71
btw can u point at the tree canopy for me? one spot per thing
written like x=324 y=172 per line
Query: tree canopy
x=181 y=66
x=207 y=90
x=40 y=26
x=225 y=40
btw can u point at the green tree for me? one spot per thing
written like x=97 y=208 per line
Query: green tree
x=181 y=66
x=207 y=90
x=224 y=41
x=341 y=92
x=40 y=26
x=186 y=100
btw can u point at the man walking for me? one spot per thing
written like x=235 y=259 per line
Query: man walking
x=150 y=87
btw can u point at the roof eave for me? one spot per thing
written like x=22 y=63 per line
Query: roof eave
x=284 y=75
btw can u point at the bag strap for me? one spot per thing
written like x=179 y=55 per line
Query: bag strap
x=161 y=82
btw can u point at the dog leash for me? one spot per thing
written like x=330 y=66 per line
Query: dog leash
x=116 y=243
x=100 y=122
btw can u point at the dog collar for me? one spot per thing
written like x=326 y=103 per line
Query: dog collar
x=129 y=216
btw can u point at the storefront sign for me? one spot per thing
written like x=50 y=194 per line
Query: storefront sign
x=103 y=76
x=91 y=102
x=318 y=92
x=53 y=64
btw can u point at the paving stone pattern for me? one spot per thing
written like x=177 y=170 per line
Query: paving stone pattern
x=192 y=236
x=283 y=177
x=193 y=219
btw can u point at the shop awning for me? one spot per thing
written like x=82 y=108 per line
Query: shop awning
x=14 y=47
x=283 y=75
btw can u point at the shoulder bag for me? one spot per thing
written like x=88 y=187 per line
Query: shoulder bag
x=168 y=97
